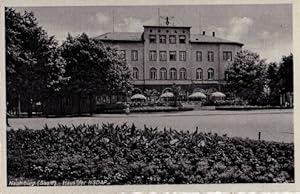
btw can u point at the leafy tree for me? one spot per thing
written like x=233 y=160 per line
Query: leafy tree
x=33 y=67
x=280 y=78
x=94 y=69
x=247 y=76
x=273 y=83
x=285 y=73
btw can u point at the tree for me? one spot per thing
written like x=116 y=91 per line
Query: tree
x=273 y=83
x=33 y=67
x=94 y=68
x=247 y=76
x=285 y=73
x=280 y=78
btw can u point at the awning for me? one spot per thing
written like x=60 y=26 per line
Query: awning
x=167 y=95
x=197 y=95
x=218 y=94
x=138 y=97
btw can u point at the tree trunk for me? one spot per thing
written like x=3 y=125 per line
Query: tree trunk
x=60 y=99
x=91 y=104
x=79 y=103
x=29 y=109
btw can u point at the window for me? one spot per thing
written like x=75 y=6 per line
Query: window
x=152 y=56
x=198 y=56
x=135 y=73
x=210 y=56
x=122 y=54
x=182 y=74
x=152 y=38
x=182 y=55
x=210 y=74
x=153 y=73
x=227 y=56
x=163 y=73
x=199 y=74
x=162 y=55
x=172 y=55
x=173 y=74
x=134 y=55
x=172 y=39
x=182 y=39
x=162 y=39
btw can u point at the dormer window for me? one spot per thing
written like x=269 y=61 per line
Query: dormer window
x=152 y=38
x=182 y=39
x=162 y=39
x=172 y=39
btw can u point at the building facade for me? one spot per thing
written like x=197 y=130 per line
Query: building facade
x=163 y=55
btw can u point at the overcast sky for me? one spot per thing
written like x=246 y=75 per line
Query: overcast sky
x=266 y=29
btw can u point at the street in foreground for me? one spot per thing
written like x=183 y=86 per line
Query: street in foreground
x=274 y=125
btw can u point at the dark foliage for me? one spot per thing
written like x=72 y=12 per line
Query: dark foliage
x=127 y=155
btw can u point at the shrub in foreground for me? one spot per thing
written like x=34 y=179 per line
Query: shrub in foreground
x=127 y=155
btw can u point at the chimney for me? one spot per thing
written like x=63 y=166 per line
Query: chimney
x=203 y=33
x=213 y=34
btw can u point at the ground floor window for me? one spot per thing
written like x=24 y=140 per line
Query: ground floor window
x=210 y=74
x=152 y=73
x=182 y=74
x=173 y=74
x=135 y=73
x=163 y=73
x=199 y=74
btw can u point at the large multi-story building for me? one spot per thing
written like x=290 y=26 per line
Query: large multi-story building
x=163 y=55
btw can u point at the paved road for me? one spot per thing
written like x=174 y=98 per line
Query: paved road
x=275 y=125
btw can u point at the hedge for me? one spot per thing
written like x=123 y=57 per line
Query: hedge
x=159 y=109
x=112 y=154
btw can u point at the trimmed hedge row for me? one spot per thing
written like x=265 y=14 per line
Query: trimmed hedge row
x=159 y=109
x=127 y=155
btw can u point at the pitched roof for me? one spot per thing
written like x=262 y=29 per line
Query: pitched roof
x=166 y=26
x=138 y=37
x=199 y=38
x=121 y=36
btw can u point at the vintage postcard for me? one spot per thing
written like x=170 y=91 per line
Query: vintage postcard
x=151 y=98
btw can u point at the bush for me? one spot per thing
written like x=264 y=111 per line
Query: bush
x=110 y=108
x=159 y=109
x=126 y=155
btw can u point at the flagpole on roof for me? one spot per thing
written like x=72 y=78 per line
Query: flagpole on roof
x=199 y=21
x=158 y=12
x=113 y=20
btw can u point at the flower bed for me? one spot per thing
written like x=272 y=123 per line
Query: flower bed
x=111 y=154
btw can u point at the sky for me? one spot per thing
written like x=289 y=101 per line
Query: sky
x=265 y=29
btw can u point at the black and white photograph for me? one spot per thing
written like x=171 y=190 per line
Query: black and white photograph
x=149 y=95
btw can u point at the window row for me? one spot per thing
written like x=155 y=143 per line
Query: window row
x=163 y=55
x=163 y=74
x=210 y=56
x=163 y=39
x=227 y=55
x=134 y=54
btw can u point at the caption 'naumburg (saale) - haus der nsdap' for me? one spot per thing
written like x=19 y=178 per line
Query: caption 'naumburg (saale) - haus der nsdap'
x=163 y=55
